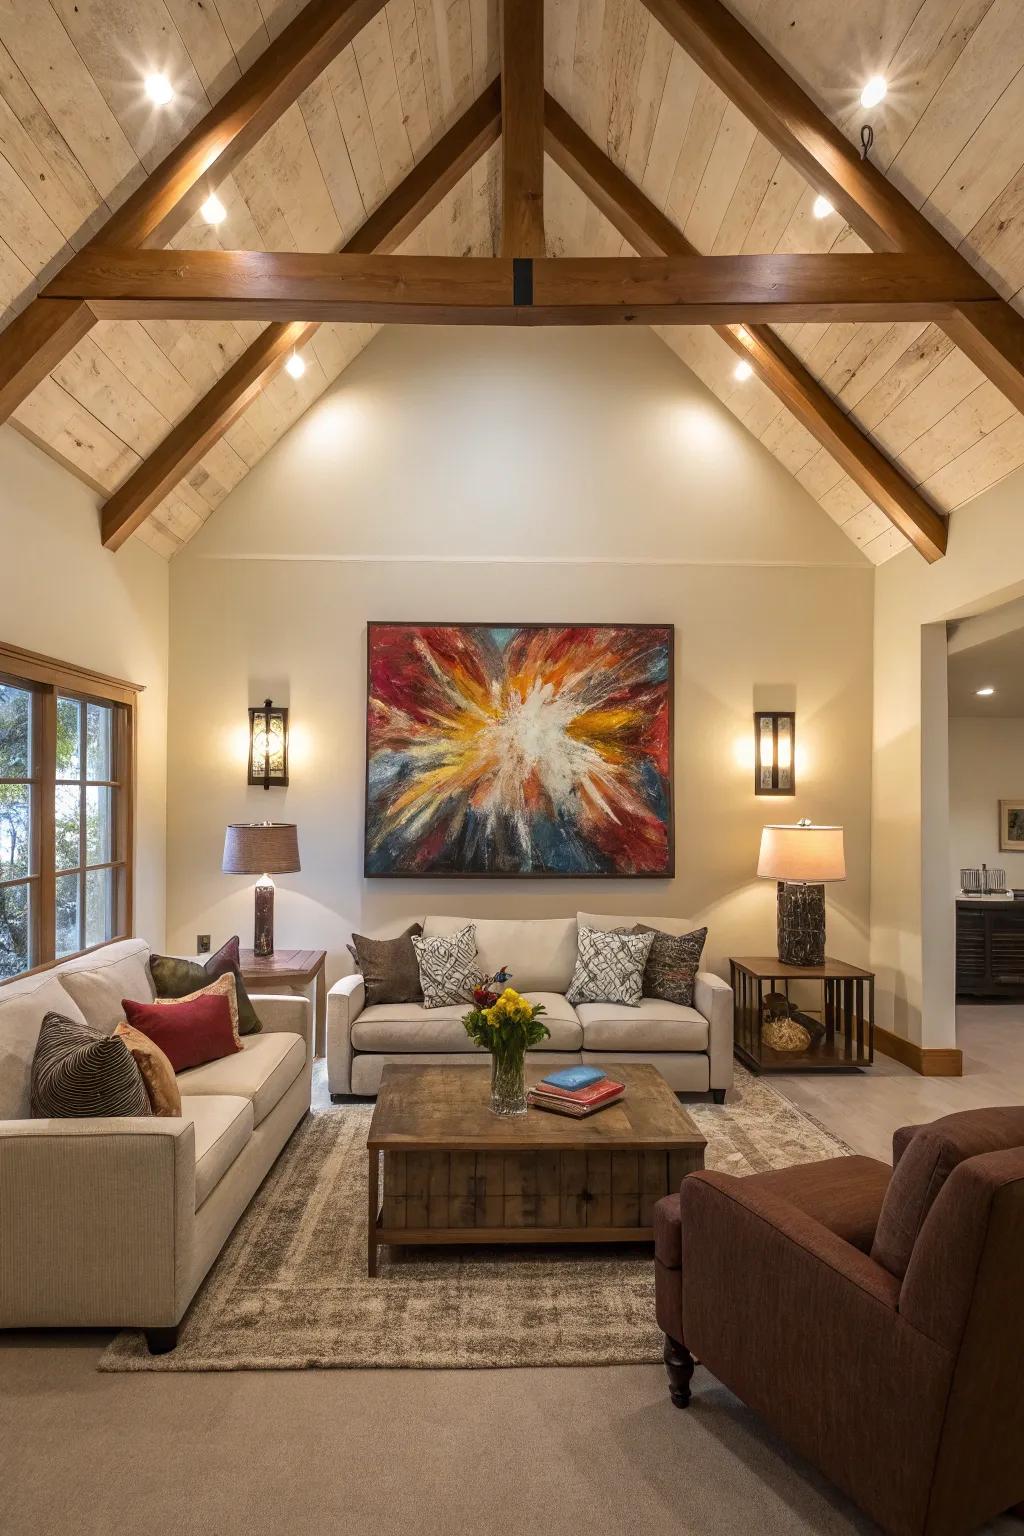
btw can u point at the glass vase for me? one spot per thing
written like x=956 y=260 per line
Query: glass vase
x=508 y=1082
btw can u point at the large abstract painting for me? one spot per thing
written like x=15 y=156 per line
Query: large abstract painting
x=515 y=750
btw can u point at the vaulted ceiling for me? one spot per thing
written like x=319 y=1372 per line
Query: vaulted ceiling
x=78 y=135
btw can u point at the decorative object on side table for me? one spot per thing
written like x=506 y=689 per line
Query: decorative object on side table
x=801 y=858
x=262 y=848
x=506 y=1025
x=767 y=1028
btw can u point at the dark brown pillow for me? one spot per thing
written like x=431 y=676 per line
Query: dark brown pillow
x=82 y=1071
x=672 y=964
x=389 y=967
x=175 y=977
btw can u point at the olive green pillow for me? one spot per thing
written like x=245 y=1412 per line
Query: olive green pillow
x=174 y=977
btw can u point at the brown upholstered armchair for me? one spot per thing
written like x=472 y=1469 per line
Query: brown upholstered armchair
x=873 y=1316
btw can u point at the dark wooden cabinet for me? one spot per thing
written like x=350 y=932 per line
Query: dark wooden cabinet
x=990 y=950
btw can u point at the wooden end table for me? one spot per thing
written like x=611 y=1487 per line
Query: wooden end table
x=292 y=968
x=456 y=1173
x=847 y=1015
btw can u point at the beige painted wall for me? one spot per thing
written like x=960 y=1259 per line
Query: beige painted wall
x=910 y=825
x=986 y=765
x=65 y=596
x=542 y=475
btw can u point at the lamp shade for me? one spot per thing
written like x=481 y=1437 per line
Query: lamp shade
x=261 y=848
x=804 y=852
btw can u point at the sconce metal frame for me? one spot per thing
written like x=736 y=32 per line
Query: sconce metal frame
x=259 y=763
x=769 y=778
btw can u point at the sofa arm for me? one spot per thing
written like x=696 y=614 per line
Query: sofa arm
x=96 y=1222
x=287 y=1012
x=345 y=1002
x=713 y=998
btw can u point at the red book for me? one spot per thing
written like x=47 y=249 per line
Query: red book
x=588 y=1097
x=559 y=1106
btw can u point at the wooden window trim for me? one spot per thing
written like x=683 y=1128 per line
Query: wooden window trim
x=48 y=678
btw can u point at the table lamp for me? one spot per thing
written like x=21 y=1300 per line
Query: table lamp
x=801 y=859
x=262 y=848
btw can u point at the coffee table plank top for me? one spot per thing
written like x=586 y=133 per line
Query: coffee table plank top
x=449 y=1108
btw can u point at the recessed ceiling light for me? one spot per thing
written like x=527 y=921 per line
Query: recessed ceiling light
x=213 y=210
x=742 y=371
x=159 y=90
x=822 y=208
x=985 y=693
x=874 y=91
x=295 y=366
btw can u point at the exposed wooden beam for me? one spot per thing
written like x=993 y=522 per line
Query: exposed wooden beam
x=770 y=99
x=674 y=290
x=37 y=340
x=651 y=233
x=522 y=138
x=426 y=184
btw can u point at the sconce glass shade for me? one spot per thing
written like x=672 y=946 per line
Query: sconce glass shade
x=803 y=852
x=268 y=746
x=774 y=752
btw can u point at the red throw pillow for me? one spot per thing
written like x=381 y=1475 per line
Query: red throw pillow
x=188 y=1033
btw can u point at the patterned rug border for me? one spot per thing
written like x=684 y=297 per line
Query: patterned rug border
x=289 y=1290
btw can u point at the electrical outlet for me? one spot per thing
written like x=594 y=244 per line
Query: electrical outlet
x=202 y=943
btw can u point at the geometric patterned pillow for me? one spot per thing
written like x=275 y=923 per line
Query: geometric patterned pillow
x=610 y=967
x=672 y=964
x=81 y=1071
x=448 y=969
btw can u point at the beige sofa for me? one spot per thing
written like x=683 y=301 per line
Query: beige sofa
x=115 y=1222
x=691 y=1047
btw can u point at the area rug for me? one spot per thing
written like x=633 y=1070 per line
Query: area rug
x=290 y=1289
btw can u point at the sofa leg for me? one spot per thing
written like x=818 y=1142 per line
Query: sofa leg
x=718 y=1095
x=679 y=1365
x=160 y=1341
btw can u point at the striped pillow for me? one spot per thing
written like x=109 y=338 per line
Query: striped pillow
x=81 y=1071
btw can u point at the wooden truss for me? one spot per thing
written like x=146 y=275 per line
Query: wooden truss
x=913 y=273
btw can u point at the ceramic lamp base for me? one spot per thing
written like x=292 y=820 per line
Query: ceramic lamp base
x=801 y=924
x=263 y=935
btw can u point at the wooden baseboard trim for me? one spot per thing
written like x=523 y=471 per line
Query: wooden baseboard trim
x=946 y=1061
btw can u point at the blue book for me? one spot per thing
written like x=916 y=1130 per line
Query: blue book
x=571 y=1078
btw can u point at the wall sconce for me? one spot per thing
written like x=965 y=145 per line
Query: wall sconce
x=774 y=752
x=268 y=746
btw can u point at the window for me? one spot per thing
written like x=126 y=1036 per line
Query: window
x=66 y=754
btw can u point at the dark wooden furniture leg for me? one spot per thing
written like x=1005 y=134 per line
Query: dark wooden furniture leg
x=679 y=1365
x=718 y=1094
x=373 y=1209
x=320 y=1011
x=160 y=1341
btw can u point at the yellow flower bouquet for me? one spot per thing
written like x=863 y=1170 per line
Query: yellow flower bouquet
x=506 y=1025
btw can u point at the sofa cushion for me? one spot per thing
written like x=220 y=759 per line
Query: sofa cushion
x=23 y=1006
x=97 y=982
x=389 y=967
x=192 y=1032
x=223 y=1124
x=448 y=967
x=927 y=1162
x=157 y=1072
x=539 y=952
x=262 y=1071
x=653 y=1026
x=610 y=967
x=80 y=1071
x=605 y=922
x=407 y=1027
x=174 y=976
x=672 y=964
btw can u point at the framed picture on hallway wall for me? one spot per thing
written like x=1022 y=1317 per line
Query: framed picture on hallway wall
x=519 y=751
x=1011 y=826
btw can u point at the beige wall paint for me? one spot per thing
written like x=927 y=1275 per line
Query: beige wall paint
x=65 y=596
x=546 y=476
x=986 y=765
x=910 y=824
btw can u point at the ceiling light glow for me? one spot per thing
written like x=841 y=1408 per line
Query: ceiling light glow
x=159 y=90
x=874 y=91
x=742 y=371
x=213 y=210
x=822 y=207
x=295 y=366
x=985 y=693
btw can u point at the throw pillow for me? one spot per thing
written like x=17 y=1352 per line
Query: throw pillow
x=672 y=964
x=80 y=1070
x=157 y=1072
x=224 y=986
x=175 y=978
x=388 y=967
x=189 y=1033
x=610 y=968
x=448 y=969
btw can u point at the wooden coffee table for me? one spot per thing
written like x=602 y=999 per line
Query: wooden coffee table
x=456 y=1173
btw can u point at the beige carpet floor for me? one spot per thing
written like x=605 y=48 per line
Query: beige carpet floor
x=290 y=1289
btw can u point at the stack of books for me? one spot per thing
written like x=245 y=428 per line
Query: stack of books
x=576 y=1091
